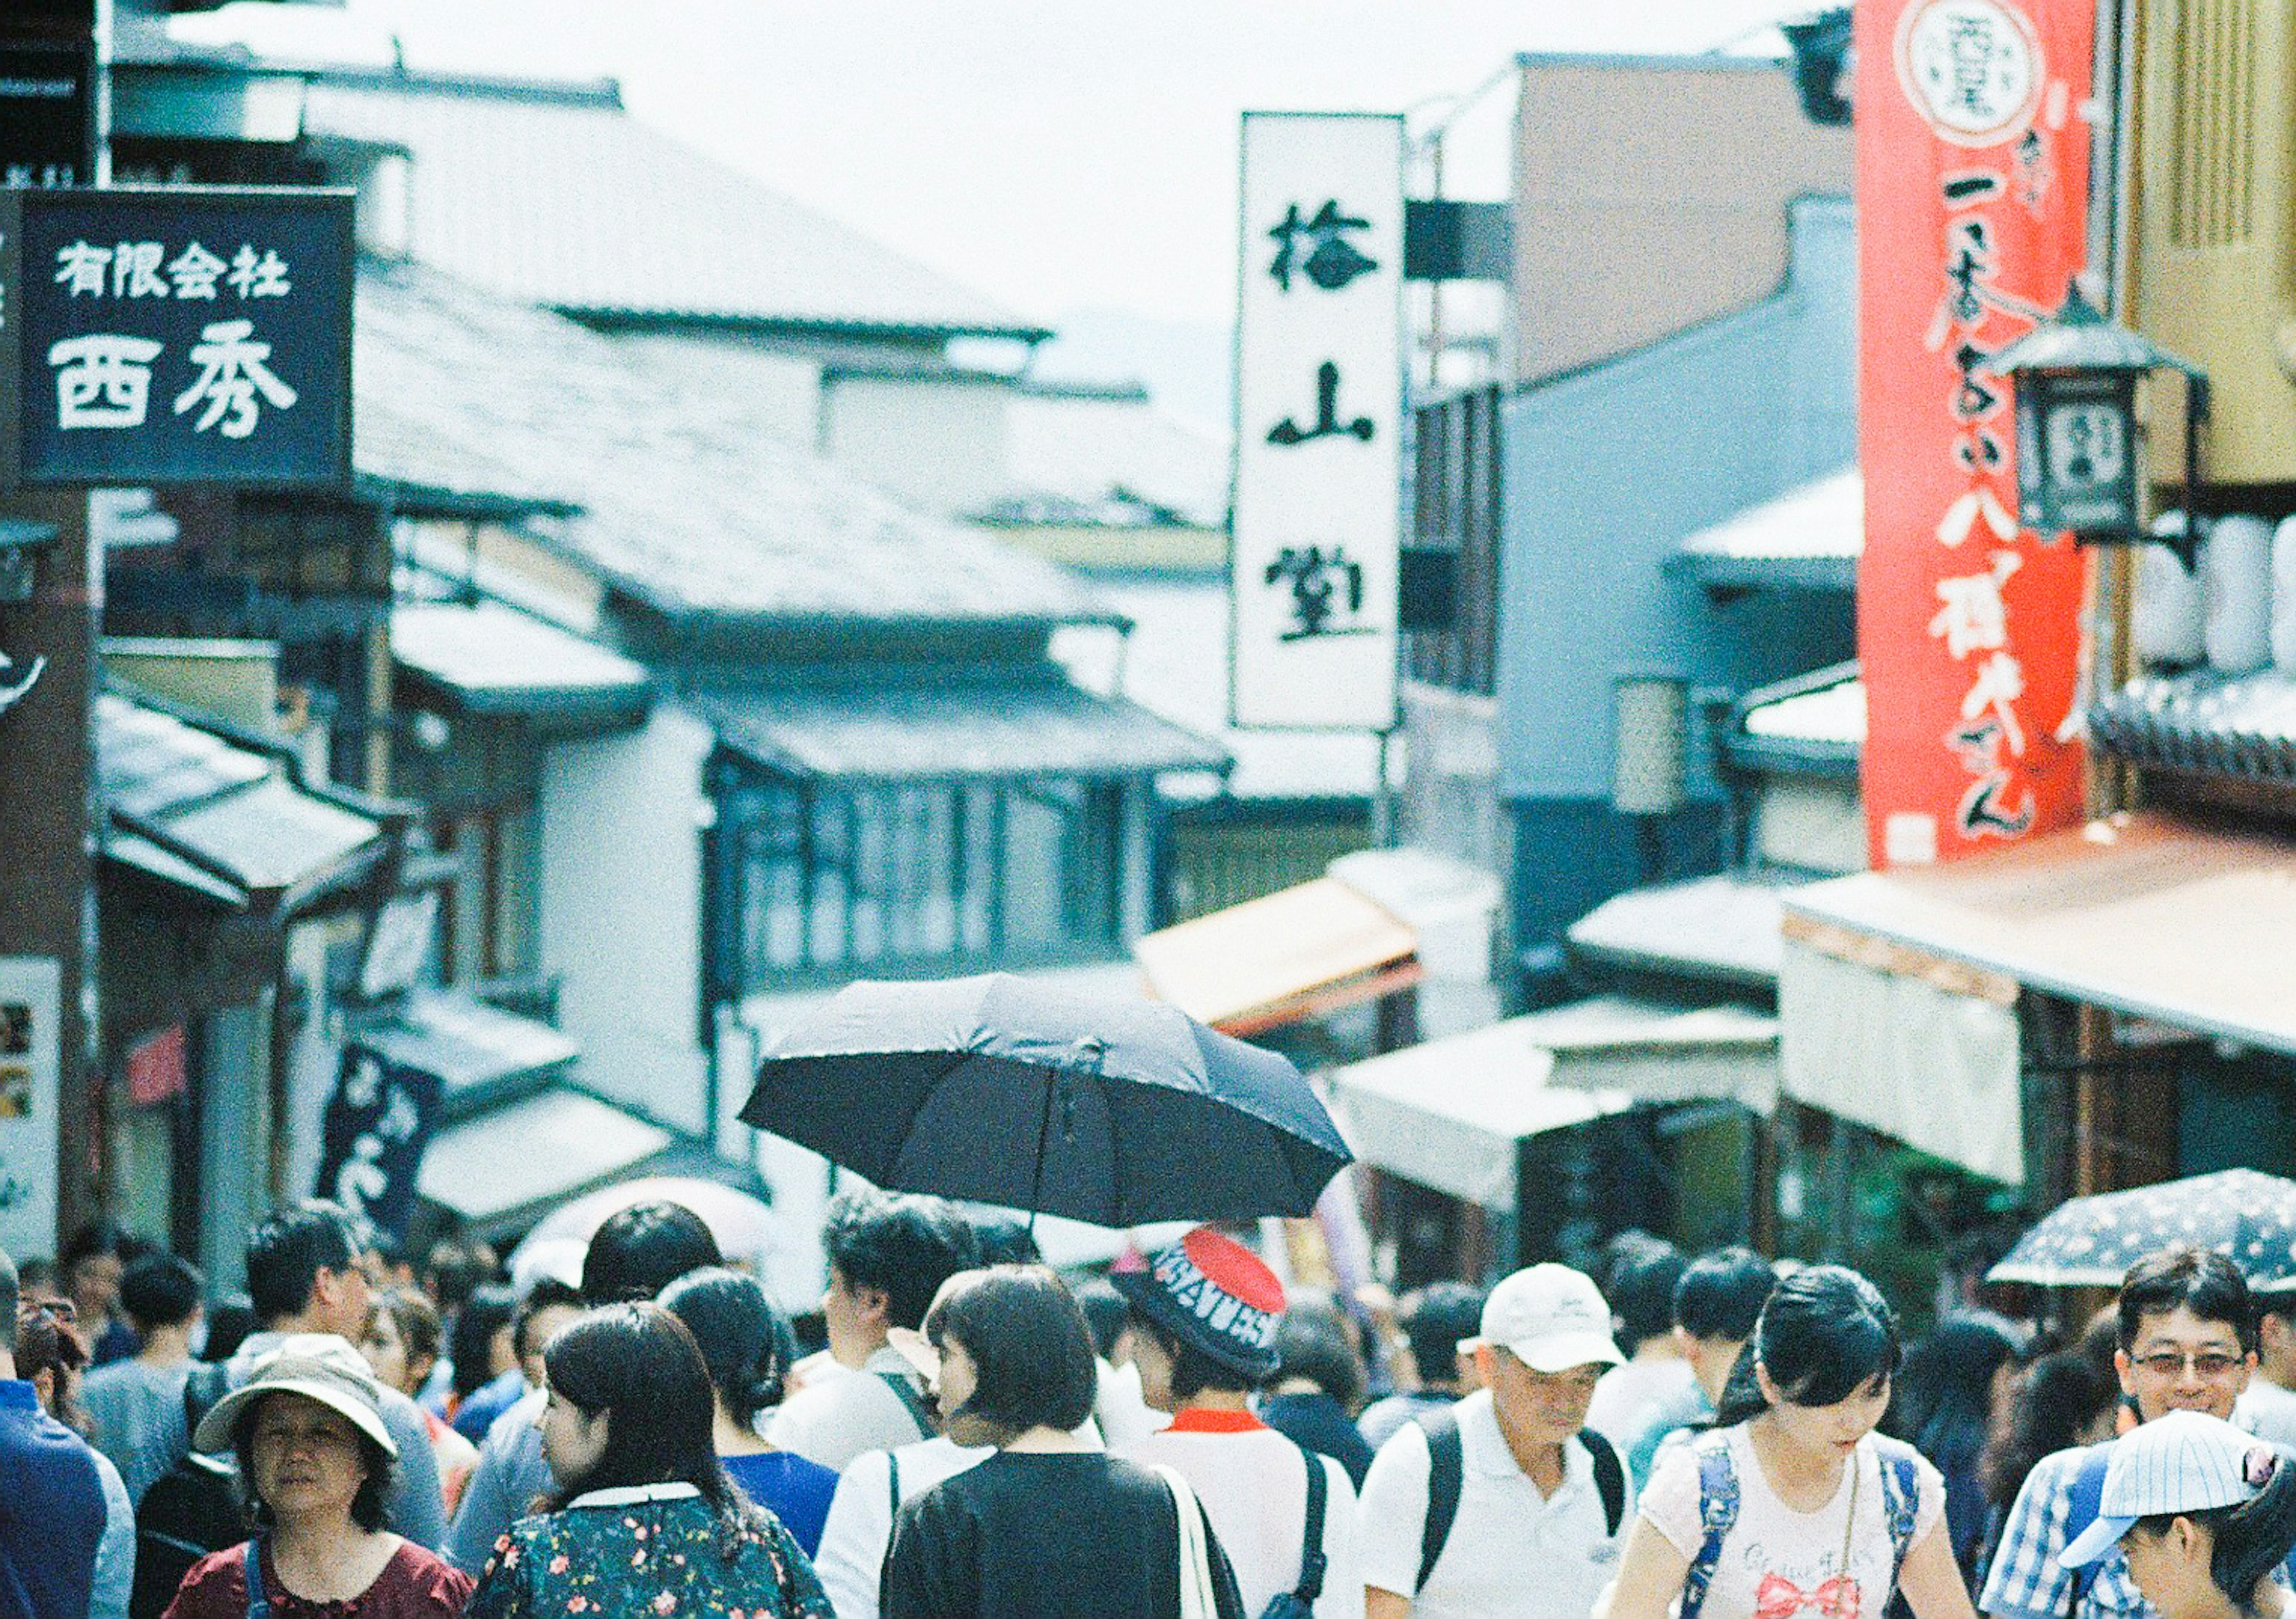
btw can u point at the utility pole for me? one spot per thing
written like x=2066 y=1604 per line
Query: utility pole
x=52 y=133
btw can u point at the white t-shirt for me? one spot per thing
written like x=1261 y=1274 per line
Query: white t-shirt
x=1772 y=1543
x=1627 y=1395
x=1512 y=1553
x=832 y=1421
x=1254 y=1489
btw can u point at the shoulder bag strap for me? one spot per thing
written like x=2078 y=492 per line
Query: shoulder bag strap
x=1717 y=1514
x=907 y=1392
x=258 y=1602
x=1610 y=1477
x=1447 y=1472
x=1312 y=1561
x=893 y=1485
x=1199 y=1599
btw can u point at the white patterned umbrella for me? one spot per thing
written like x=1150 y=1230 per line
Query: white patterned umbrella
x=2090 y=1242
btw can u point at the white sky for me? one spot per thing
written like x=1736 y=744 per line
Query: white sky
x=1058 y=157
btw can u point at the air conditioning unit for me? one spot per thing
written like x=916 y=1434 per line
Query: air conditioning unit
x=2213 y=224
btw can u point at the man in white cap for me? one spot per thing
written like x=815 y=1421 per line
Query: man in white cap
x=1511 y=1508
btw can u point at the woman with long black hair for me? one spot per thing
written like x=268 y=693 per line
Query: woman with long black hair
x=1947 y=1402
x=1792 y=1502
x=645 y=1522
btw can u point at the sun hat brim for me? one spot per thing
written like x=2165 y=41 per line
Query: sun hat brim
x=219 y=1430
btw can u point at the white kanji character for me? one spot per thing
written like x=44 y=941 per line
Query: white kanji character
x=1975 y=619
x=232 y=375
x=195 y=271
x=400 y=1116
x=253 y=277
x=2000 y=683
x=1962 y=516
x=103 y=380
x=361 y=1179
x=83 y=265
x=135 y=270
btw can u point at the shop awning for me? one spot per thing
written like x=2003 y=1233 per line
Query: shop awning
x=1657 y=1052
x=1724 y=929
x=1448 y=1115
x=488 y=660
x=1809 y=538
x=222 y=821
x=1291 y=955
x=2145 y=915
x=500 y=1169
x=954 y=730
x=479 y=1050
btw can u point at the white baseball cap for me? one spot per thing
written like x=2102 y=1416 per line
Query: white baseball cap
x=1551 y=1318
x=2186 y=1461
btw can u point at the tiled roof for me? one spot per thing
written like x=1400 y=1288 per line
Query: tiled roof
x=2231 y=725
x=686 y=503
x=495 y=660
x=1811 y=538
x=569 y=202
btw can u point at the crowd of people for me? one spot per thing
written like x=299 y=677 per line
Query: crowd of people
x=1659 y=1436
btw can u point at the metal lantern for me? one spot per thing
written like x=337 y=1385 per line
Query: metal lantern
x=2077 y=431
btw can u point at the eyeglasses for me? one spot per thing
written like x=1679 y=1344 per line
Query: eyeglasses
x=59 y=1309
x=2206 y=1363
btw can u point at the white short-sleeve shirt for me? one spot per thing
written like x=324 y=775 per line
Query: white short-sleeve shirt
x=1512 y=1553
x=1772 y=1543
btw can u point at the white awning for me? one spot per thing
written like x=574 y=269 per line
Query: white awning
x=1660 y=1053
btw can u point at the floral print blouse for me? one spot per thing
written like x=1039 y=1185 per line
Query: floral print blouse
x=657 y=1552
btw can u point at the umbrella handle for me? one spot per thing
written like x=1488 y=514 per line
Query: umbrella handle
x=1044 y=1138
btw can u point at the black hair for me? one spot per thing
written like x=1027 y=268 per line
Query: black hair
x=1824 y=1334
x=642 y=1249
x=1105 y=1312
x=470 y=1343
x=11 y=1289
x=1192 y=1370
x=2063 y=1397
x=231 y=1320
x=455 y=1266
x=1721 y=1295
x=1640 y=1292
x=746 y=1343
x=639 y=1362
x=161 y=1290
x=286 y=1252
x=45 y=1341
x=2207 y=1284
x=904 y=1247
x=547 y=1292
x=2274 y=1300
x=1941 y=1401
x=1001 y=1239
x=2248 y=1542
x=1434 y=1319
x=1312 y=1342
x=99 y=1236
x=1030 y=1349
x=367 y=1506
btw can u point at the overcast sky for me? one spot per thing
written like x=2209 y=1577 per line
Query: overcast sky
x=1058 y=157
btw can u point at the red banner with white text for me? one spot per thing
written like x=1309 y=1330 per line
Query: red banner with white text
x=1972 y=188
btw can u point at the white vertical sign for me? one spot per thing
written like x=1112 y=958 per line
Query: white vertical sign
x=31 y=1054
x=1319 y=406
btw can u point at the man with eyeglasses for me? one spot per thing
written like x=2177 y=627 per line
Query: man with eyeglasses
x=2188 y=1341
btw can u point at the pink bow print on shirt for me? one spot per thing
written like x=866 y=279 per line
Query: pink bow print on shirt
x=1778 y=1598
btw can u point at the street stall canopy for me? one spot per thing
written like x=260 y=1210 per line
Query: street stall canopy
x=2142 y=914
x=1294 y=954
x=1723 y=928
x=225 y=822
x=488 y=660
x=1659 y=1053
x=501 y=1170
x=1450 y=1114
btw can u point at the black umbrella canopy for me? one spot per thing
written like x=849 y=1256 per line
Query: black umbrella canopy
x=1120 y=1112
x=2090 y=1242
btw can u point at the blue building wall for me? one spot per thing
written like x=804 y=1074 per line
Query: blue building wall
x=1606 y=472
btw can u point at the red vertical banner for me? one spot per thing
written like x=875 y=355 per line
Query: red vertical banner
x=1972 y=191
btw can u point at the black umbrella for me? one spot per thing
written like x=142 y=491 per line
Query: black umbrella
x=1002 y=1091
x=2090 y=1242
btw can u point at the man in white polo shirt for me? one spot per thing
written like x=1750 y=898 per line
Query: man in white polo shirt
x=1535 y=1502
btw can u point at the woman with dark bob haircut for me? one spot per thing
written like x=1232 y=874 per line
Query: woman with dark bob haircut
x=1814 y=1509
x=1046 y=1528
x=315 y=1461
x=644 y=1520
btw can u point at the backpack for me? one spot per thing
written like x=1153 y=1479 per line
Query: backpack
x=1300 y=1602
x=2083 y=1499
x=1717 y=1511
x=190 y=1510
x=1447 y=1473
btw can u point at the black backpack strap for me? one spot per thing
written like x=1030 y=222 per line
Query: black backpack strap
x=1312 y=1561
x=893 y=1484
x=910 y=1398
x=1610 y=1478
x=1447 y=1471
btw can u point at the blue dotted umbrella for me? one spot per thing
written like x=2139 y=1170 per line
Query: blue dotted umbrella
x=2090 y=1242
